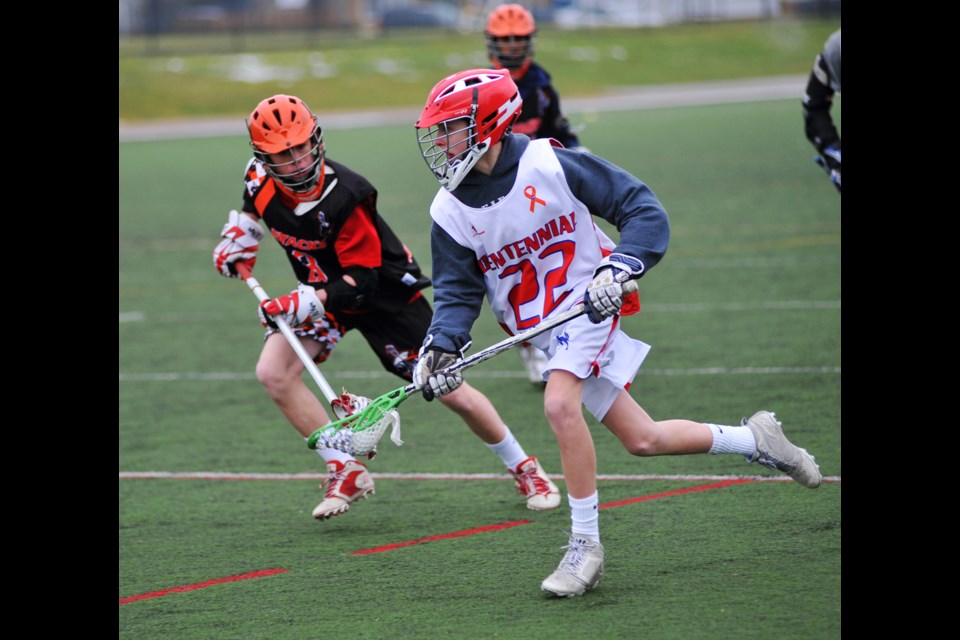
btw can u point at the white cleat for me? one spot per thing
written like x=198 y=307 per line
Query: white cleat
x=534 y=483
x=580 y=570
x=775 y=452
x=348 y=482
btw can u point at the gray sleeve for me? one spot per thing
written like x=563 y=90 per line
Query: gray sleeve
x=831 y=57
x=623 y=200
x=459 y=291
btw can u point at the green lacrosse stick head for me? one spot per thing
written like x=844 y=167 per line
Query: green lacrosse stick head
x=372 y=420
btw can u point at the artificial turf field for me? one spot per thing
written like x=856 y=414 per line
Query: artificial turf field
x=743 y=313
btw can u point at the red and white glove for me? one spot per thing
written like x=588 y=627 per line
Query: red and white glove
x=241 y=239
x=300 y=307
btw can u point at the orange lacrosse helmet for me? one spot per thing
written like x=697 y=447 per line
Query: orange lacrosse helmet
x=466 y=114
x=510 y=35
x=288 y=141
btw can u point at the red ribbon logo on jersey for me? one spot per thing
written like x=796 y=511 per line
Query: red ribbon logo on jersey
x=531 y=192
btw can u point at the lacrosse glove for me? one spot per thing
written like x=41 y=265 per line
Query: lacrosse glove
x=301 y=307
x=604 y=295
x=427 y=374
x=241 y=240
x=830 y=161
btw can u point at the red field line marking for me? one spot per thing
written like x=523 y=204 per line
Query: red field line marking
x=674 y=492
x=442 y=536
x=517 y=523
x=201 y=585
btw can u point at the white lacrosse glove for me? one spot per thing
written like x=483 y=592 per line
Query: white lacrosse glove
x=604 y=296
x=241 y=239
x=431 y=361
x=300 y=307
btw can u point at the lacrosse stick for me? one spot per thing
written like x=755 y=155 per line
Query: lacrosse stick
x=341 y=440
x=375 y=417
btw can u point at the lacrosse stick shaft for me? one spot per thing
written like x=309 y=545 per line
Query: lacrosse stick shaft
x=372 y=419
x=524 y=336
x=289 y=335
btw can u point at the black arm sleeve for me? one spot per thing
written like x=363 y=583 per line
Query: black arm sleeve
x=817 y=102
x=555 y=124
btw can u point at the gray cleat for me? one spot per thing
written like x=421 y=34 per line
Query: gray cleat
x=775 y=452
x=581 y=569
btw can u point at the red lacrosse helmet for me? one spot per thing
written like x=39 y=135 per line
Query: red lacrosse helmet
x=466 y=114
x=511 y=33
x=288 y=141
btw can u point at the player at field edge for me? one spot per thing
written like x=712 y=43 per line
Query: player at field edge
x=512 y=223
x=511 y=34
x=353 y=273
x=818 y=125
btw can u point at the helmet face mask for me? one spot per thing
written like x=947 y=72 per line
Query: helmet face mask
x=514 y=53
x=287 y=139
x=465 y=114
x=451 y=149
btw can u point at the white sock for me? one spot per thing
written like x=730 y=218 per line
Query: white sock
x=331 y=454
x=509 y=450
x=585 y=516
x=727 y=439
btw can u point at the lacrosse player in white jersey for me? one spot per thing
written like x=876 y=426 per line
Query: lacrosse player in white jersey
x=513 y=223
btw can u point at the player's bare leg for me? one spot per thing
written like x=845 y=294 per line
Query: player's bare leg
x=582 y=565
x=279 y=371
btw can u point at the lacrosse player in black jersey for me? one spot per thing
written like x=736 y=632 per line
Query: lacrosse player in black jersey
x=352 y=272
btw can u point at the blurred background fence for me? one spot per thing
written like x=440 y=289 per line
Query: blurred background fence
x=146 y=20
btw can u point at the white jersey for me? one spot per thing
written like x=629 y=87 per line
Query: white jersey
x=537 y=247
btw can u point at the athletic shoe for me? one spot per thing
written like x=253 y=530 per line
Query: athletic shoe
x=536 y=363
x=347 y=483
x=775 y=452
x=580 y=570
x=534 y=484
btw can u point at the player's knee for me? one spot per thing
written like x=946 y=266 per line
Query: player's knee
x=273 y=378
x=641 y=447
x=561 y=411
x=461 y=400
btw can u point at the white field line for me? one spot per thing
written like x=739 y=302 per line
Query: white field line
x=653 y=307
x=365 y=375
x=213 y=475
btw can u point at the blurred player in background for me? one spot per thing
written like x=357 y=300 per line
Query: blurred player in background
x=818 y=124
x=353 y=273
x=513 y=224
x=511 y=37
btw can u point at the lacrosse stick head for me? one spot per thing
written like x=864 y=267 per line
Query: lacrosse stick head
x=359 y=433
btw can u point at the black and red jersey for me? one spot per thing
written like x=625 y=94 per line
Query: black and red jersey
x=340 y=233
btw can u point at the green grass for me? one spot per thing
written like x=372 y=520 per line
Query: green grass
x=179 y=77
x=755 y=225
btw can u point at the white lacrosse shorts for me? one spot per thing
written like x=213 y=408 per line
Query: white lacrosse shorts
x=602 y=355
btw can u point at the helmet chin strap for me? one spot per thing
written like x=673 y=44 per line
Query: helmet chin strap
x=460 y=168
